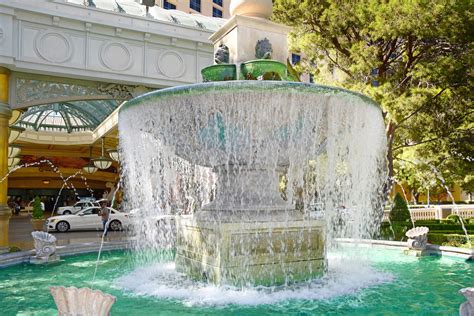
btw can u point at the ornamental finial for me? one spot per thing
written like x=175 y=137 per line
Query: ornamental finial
x=254 y=8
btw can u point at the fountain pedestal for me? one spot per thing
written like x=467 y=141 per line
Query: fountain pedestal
x=250 y=252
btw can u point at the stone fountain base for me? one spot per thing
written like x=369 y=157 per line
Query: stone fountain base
x=250 y=252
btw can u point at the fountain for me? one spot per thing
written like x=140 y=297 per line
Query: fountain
x=467 y=308
x=226 y=143
x=45 y=247
x=83 y=301
x=417 y=241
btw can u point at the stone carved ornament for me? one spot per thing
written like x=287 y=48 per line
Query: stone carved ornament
x=467 y=308
x=222 y=55
x=264 y=49
x=418 y=238
x=84 y=301
x=122 y=92
x=45 y=244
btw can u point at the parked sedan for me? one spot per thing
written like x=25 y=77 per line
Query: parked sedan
x=87 y=219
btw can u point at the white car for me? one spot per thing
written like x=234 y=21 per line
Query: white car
x=81 y=205
x=87 y=219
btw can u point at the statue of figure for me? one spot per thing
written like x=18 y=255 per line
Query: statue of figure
x=264 y=49
x=222 y=55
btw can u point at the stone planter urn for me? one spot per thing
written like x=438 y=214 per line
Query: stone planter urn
x=254 y=8
x=467 y=308
x=45 y=247
x=72 y=301
x=38 y=224
x=417 y=238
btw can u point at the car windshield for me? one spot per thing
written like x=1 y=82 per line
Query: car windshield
x=90 y=211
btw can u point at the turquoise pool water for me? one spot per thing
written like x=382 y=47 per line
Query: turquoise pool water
x=379 y=282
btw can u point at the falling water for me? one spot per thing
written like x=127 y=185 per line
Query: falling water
x=178 y=150
x=55 y=169
x=455 y=206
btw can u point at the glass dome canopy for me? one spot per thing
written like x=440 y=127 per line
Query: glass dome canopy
x=70 y=117
x=131 y=7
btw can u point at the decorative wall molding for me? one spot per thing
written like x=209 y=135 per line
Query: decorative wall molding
x=29 y=90
x=65 y=40
x=171 y=64
x=116 y=56
x=53 y=46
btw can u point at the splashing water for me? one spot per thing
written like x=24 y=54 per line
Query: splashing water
x=221 y=149
x=161 y=280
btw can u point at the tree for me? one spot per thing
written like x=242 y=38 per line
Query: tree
x=399 y=211
x=413 y=57
x=37 y=209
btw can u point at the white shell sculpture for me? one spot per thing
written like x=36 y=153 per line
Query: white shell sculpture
x=467 y=308
x=417 y=237
x=45 y=244
x=72 y=301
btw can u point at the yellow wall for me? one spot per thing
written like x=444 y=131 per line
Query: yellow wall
x=456 y=191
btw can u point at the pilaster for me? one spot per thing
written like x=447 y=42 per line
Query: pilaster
x=5 y=114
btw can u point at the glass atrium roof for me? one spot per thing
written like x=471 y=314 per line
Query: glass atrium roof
x=74 y=116
x=172 y=16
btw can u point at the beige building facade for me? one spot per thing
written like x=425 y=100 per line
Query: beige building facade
x=212 y=8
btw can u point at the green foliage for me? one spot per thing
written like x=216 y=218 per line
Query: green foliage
x=14 y=249
x=449 y=228
x=395 y=232
x=437 y=235
x=415 y=59
x=427 y=222
x=37 y=210
x=399 y=211
x=455 y=218
x=453 y=240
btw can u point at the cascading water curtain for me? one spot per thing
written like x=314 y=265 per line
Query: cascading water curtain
x=330 y=149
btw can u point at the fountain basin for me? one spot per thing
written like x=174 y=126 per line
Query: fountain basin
x=266 y=69
x=223 y=72
x=243 y=122
x=393 y=281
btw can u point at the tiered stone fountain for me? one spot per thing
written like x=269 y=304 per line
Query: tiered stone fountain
x=249 y=124
x=230 y=237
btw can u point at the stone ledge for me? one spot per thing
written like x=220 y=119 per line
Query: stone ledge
x=10 y=259
x=462 y=253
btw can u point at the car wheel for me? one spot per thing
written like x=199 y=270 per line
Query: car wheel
x=115 y=225
x=62 y=226
x=67 y=213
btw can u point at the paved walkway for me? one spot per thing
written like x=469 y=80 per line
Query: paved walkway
x=20 y=234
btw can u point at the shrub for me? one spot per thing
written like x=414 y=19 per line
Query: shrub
x=454 y=218
x=399 y=211
x=448 y=227
x=14 y=249
x=394 y=232
x=427 y=222
x=37 y=209
x=452 y=240
x=437 y=239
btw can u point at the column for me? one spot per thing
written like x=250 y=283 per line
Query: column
x=5 y=114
